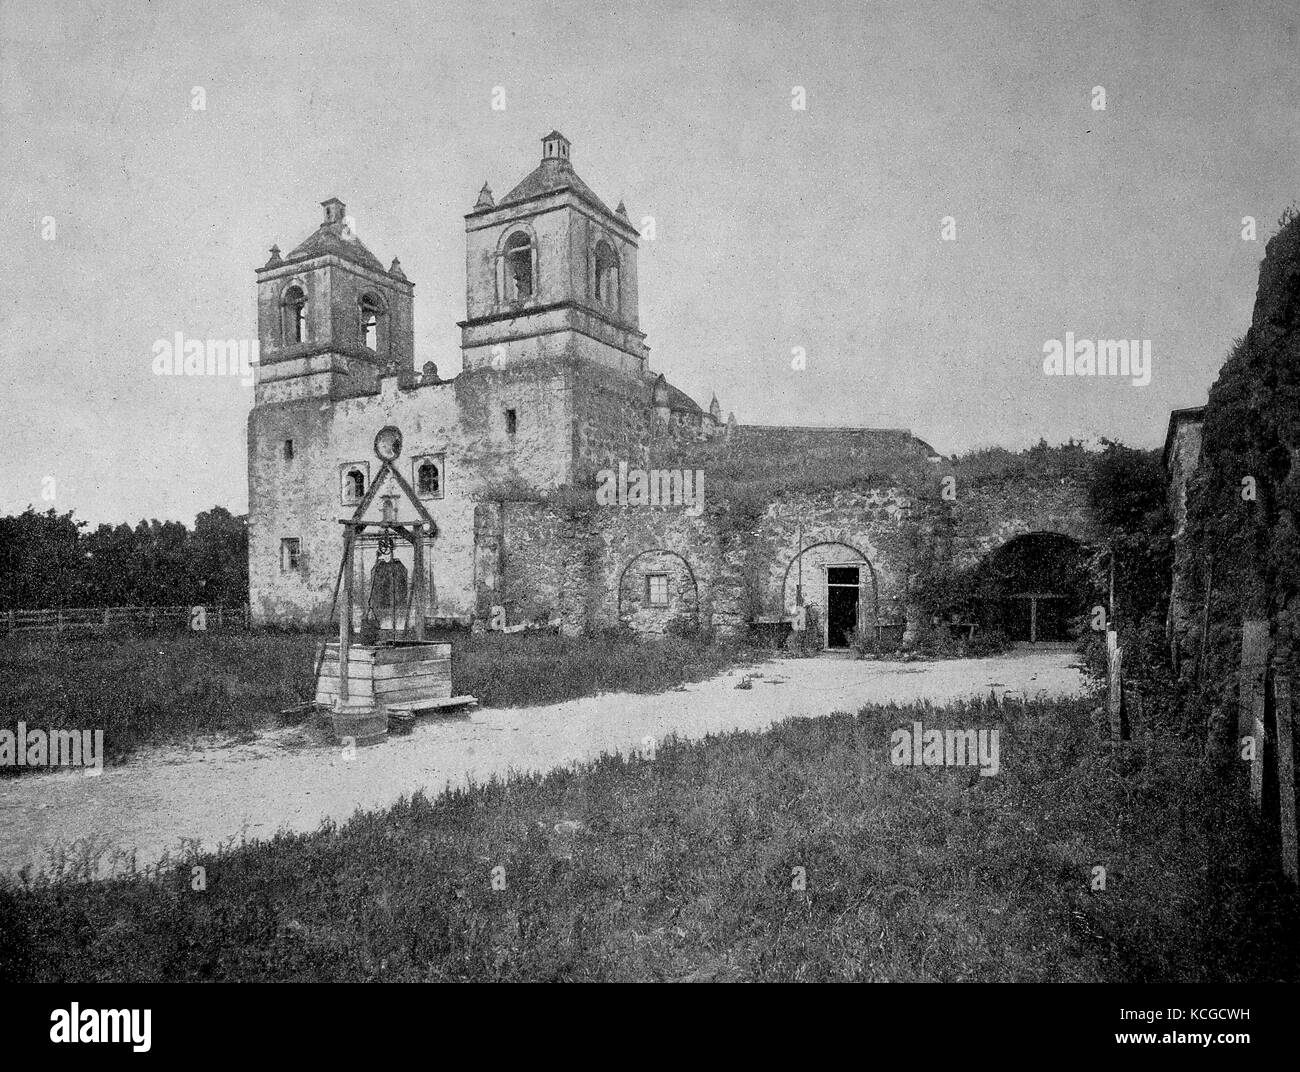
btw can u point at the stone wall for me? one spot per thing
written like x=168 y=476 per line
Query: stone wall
x=302 y=498
x=986 y=516
x=834 y=528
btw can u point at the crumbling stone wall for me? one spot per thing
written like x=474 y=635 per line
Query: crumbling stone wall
x=984 y=517
x=824 y=528
x=611 y=417
x=591 y=565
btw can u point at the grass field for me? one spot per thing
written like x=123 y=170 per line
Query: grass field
x=166 y=687
x=683 y=867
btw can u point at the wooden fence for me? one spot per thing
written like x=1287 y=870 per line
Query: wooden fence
x=1266 y=732
x=99 y=619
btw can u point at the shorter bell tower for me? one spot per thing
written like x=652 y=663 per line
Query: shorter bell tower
x=330 y=317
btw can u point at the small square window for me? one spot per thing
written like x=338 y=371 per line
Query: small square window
x=656 y=589
x=290 y=554
x=512 y=422
x=288 y=450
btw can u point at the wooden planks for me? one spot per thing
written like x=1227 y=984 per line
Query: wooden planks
x=418 y=706
x=432 y=689
x=1115 y=683
x=423 y=668
x=382 y=675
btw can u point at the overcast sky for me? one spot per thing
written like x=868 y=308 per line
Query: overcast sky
x=775 y=228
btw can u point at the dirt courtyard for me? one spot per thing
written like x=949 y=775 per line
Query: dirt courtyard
x=215 y=791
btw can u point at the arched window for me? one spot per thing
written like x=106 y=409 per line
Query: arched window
x=370 y=310
x=427 y=478
x=295 y=316
x=606 y=276
x=519 y=267
x=354 y=485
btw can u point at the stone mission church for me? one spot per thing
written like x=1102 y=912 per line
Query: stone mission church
x=556 y=385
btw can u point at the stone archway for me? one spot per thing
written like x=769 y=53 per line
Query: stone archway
x=827 y=568
x=658 y=591
x=1035 y=587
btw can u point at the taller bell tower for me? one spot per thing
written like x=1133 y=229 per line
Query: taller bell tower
x=551 y=273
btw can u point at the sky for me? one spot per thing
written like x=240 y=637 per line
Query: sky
x=775 y=227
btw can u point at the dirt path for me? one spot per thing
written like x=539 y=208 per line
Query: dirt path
x=281 y=780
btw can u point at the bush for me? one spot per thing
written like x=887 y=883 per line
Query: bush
x=988 y=642
x=863 y=642
x=685 y=626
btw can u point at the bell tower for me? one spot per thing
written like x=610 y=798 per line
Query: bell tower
x=551 y=273
x=330 y=319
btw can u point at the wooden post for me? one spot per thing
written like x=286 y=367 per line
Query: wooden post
x=1110 y=599
x=1251 y=699
x=1286 y=775
x=1115 y=693
x=419 y=580
x=1033 y=619
x=345 y=615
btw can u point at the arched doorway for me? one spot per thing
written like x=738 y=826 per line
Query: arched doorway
x=840 y=582
x=1036 y=587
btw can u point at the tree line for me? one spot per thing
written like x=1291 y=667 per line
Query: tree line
x=50 y=560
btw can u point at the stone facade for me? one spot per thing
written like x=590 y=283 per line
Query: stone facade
x=556 y=386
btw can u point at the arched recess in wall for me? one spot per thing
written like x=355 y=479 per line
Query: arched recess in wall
x=1035 y=586
x=686 y=566
x=868 y=614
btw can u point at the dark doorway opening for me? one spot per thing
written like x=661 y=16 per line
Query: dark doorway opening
x=1036 y=587
x=843 y=595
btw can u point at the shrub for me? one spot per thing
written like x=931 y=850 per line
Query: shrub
x=988 y=642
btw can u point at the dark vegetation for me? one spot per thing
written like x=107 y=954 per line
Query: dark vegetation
x=683 y=866
x=154 y=688
x=1036 y=465
x=1128 y=497
x=1125 y=489
x=1243 y=500
x=50 y=560
x=742 y=479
